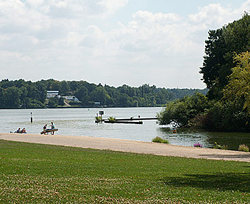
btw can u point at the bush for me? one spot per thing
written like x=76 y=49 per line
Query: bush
x=160 y=140
x=98 y=119
x=111 y=119
x=197 y=112
x=182 y=111
x=217 y=146
x=227 y=115
x=243 y=148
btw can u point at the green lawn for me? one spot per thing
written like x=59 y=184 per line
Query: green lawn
x=44 y=173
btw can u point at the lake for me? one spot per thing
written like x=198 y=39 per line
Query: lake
x=81 y=122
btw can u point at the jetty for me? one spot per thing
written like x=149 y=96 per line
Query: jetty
x=131 y=120
x=124 y=122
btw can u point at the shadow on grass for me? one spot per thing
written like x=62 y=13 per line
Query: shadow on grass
x=221 y=182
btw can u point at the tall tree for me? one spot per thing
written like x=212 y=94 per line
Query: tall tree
x=220 y=48
x=82 y=94
x=12 y=97
x=238 y=87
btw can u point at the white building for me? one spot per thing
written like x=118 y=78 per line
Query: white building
x=71 y=98
x=52 y=94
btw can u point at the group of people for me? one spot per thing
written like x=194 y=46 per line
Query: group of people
x=46 y=130
x=19 y=130
x=52 y=128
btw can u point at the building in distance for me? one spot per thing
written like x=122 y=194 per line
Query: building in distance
x=71 y=98
x=52 y=94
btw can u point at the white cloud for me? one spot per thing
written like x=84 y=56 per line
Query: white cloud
x=35 y=3
x=111 y=6
x=52 y=37
x=214 y=16
x=162 y=18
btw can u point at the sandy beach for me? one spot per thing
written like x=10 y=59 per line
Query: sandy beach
x=129 y=146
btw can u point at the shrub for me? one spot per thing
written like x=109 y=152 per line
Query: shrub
x=98 y=119
x=160 y=140
x=243 y=148
x=217 y=146
x=183 y=110
x=111 y=119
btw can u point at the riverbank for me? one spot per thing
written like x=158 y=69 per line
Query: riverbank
x=129 y=146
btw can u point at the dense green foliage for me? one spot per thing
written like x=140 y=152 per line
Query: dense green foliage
x=238 y=88
x=35 y=173
x=26 y=94
x=160 y=140
x=21 y=94
x=221 y=46
x=183 y=110
x=243 y=148
x=227 y=104
x=199 y=112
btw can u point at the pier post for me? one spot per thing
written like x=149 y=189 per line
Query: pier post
x=31 y=119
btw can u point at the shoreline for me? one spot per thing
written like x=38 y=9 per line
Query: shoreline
x=130 y=146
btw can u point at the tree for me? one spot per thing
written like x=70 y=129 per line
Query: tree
x=220 y=48
x=100 y=95
x=184 y=110
x=64 y=88
x=238 y=87
x=61 y=101
x=2 y=99
x=124 y=96
x=82 y=94
x=53 y=102
x=12 y=97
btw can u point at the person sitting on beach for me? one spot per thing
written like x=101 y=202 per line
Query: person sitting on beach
x=23 y=131
x=45 y=128
x=18 y=130
x=52 y=128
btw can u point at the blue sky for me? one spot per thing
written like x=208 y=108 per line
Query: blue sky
x=115 y=42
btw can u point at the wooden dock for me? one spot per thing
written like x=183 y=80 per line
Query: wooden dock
x=131 y=120
x=124 y=122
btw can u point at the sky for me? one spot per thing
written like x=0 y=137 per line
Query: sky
x=113 y=42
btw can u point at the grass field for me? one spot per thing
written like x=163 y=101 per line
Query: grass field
x=31 y=173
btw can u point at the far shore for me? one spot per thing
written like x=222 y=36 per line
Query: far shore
x=123 y=145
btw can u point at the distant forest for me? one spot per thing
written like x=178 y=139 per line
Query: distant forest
x=27 y=94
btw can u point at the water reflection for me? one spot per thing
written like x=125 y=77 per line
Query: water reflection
x=188 y=138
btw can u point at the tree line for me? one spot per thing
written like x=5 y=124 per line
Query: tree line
x=27 y=94
x=226 y=72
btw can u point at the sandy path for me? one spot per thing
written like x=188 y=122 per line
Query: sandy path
x=129 y=146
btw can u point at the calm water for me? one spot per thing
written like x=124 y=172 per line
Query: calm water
x=80 y=122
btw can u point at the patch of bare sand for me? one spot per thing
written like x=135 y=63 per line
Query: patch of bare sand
x=129 y=146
